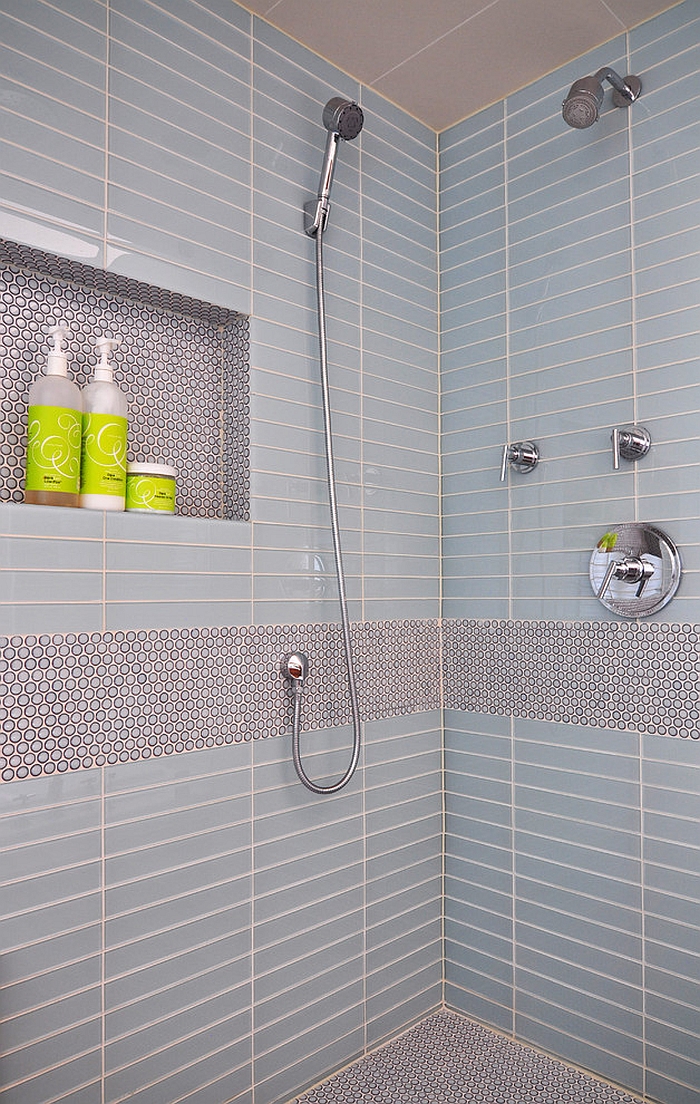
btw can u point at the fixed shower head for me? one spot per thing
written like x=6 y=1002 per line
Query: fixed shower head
x=343 y=119
x=581 y=108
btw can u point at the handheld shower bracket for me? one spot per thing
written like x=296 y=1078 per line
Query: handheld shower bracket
x=316 y=213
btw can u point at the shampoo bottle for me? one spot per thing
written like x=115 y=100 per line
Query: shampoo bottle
x=53 y=432
x=103 y=467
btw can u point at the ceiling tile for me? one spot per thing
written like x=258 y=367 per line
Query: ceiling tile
x=263 y=7
x=493 y=56
x=633 y=12
x=442 y=60
x=367 y=37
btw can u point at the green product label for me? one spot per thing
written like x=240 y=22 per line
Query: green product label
x=154 y=493
x=53 y=449
x=103 y=467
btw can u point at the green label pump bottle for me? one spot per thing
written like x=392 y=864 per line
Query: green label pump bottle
x=53 y=432
x=103 y=467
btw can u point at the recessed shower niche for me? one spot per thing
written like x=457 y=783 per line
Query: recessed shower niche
x=183 y=364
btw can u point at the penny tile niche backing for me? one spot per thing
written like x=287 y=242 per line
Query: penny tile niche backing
x=182 y=363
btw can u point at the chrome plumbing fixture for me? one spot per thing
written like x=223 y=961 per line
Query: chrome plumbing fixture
x=630 y=570
x=524 y=456
x=635 y=569
x=581 y=108
x=296 y=667
x=629 y=442
x=342 y=119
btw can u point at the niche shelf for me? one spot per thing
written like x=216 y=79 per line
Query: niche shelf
x=183 y=364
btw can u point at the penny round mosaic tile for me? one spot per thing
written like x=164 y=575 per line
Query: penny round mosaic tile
x=78 y=701
x=448 y=1059
x=581 y=672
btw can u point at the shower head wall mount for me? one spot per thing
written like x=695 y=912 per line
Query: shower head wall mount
x=581 y=108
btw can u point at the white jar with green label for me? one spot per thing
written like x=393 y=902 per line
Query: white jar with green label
x=53 y=432
x=150 y=488
x=104 y=432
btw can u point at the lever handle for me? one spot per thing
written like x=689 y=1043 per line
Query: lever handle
x=631 y=570
x=630 y=443
x=524 y=456
x=648 y=571
x=504 y=462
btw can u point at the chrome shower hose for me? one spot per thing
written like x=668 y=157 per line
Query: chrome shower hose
x=335 y=527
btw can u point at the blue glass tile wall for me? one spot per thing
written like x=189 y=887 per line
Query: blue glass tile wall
x=176 y=148
x=569 y=307
x=191 y=175
x=214 y=926
x=571 y=897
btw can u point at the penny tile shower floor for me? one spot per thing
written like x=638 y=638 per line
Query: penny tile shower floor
x=447 y=1059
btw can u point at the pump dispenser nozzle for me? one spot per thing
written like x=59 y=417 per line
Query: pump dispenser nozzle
x=105 y=345
x=57 y=364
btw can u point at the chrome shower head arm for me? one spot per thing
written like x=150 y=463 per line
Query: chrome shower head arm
x=628 y=88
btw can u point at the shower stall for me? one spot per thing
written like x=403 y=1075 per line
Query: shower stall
x=181 y=919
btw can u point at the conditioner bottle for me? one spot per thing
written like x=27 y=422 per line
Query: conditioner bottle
x=53 y=432
x=103 y=468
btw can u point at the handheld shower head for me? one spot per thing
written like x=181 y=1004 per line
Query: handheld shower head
x=343 y=119
x=581 y=108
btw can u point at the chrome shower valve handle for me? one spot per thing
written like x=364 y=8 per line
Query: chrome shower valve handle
x=524 y=456
x=629 y=442
x=632 y=569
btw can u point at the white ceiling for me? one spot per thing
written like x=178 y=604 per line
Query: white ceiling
x=442 y=60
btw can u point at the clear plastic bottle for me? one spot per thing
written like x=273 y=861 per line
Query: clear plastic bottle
x=53 y=431
x=103 y=466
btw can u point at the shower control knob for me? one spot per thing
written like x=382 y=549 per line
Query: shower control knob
x=629 y=442
x=524 y=456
